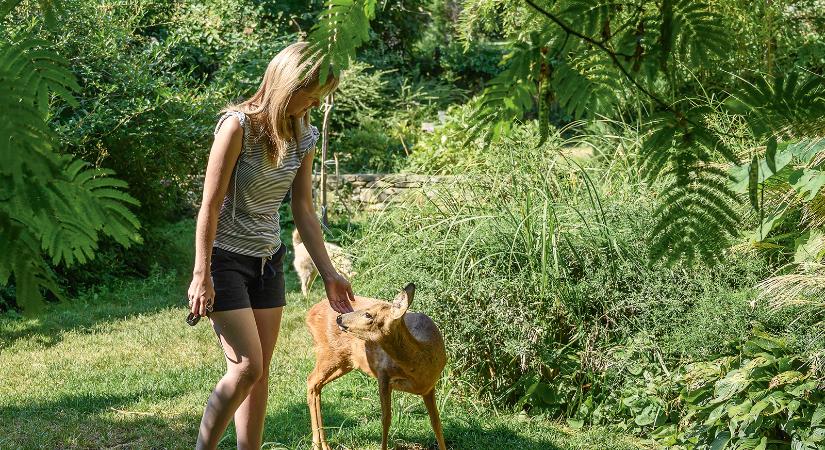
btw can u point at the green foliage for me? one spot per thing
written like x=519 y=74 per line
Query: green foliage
x=51 y=204
x=368 y=148
x=763 y=396
x=510 y=94
x=444 y=151
x=376 y=118
x=152 y=126
x=341 y=27
x=580 y=55
x=544 y=275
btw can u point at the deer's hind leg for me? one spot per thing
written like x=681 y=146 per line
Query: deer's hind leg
x=435 y=420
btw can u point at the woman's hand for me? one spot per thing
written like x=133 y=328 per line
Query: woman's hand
x=339 y=293
x=201 y=295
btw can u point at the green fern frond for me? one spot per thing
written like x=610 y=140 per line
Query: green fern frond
x=50 y=203
x=695 y=220
x=692 y=32
x=38 y=73
x=589 y=17
x=341 y=27
x=513 y=92
x=697 y=216
x=586 y=86
x=782 y=104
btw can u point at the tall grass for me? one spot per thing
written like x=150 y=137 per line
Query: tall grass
x=533 y=261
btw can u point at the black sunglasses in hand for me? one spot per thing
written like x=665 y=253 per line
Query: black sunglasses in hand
x=192 y=319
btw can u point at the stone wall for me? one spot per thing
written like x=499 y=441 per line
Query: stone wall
x=373 y=192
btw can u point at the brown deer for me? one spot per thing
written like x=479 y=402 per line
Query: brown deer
x=403 y=350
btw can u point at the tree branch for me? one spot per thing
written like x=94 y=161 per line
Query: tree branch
x=613 y=57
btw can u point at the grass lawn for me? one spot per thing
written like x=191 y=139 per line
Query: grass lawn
x=119 y=368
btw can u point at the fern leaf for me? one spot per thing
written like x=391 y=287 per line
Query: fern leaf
x=587 y=16
x=53 y=203
x=341 y=27
x=586 y=86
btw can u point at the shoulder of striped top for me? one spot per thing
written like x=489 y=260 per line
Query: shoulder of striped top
x=242 y=120
x=308 y=140
x=237 y=114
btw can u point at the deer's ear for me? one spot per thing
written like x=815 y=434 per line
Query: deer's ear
x=402 y=301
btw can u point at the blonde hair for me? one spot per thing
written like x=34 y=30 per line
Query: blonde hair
x=291 y=69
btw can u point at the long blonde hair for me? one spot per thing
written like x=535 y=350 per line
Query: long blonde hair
x=291 y=69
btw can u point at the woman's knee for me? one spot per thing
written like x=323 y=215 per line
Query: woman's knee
x=247 y=372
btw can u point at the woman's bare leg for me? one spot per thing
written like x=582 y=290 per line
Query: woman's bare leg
x=249 y=418
x=236 y=330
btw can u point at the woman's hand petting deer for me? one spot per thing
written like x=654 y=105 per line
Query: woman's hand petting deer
x=263 y=146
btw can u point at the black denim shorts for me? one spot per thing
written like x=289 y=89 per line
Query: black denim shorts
x=243 y=281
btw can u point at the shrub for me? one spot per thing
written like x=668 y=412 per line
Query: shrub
x=532 y=267
x=445 y=150
x=763 y=395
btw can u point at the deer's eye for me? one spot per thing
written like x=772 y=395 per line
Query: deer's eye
x=368 y=316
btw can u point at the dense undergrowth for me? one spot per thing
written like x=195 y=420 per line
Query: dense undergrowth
x=533 y=262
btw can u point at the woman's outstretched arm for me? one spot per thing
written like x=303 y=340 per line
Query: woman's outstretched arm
x=339 y=291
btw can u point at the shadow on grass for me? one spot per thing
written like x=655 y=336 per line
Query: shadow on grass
x=94 y=421
x=106 y=420
x=290 y=428
x=131 y=298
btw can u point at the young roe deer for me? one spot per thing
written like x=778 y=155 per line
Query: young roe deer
x=403 y=350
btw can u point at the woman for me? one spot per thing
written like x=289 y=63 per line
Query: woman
x=263 y=146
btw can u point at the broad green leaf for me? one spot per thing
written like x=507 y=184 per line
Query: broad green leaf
x=787 y=377
x=741 y=409
x=807 y=182
x=757 y=169
x=809 y=246
x=768 y=223
x=721 y=441
x=735 y=382
x=770 y=154
x=806 y=149
x=647 y=416
x=716 y=414
x=819 y=415
x=753 y=183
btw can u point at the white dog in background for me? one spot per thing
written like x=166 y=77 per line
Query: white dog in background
x=306 y=268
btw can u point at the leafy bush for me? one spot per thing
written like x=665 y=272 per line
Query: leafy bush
x=377 y=117
x=518 y=249
x=445 y=150
x=54 y=208
x=760 y=397
x=532 y=266
x=368 y=148
x=152 y=78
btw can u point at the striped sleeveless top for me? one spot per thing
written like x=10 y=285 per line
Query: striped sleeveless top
x=249 y=222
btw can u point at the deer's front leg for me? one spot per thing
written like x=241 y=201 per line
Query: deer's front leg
x=385 y=392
